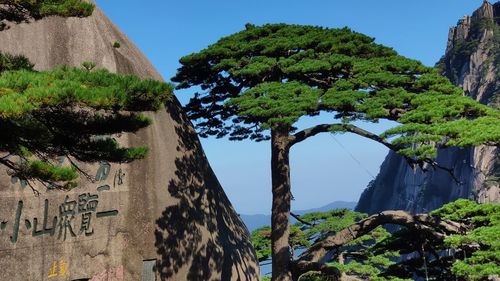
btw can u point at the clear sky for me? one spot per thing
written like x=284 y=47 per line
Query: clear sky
x=322 y=170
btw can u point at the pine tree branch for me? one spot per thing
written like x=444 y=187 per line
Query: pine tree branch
x=35 y=191
x=324 y=128
x=7 y=163
x=450 y=171
x=11 y=165
x=302 y=267
x=297 y=217
x=429 y=225
x=80 y=170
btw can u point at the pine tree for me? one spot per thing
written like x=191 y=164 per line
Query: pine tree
x=74 y=113
x=66 y=111
x=256 y=84
x=459 y=241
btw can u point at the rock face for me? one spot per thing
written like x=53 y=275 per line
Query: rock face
x=472 y=61
x=162 y=218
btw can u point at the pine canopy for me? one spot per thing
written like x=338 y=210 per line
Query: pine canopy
x=380 y=255
x=71 y=112
x=267 y=77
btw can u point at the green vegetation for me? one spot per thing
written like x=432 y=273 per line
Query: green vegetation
x=480 y=245
x=74 y=113
x=26 y=92
x=256 y=84
x=261 y=241
x=10 y=62
x=66 y=111
x=88 y=65
x=24 y=10
x=470 y=253
x=313 y=226
x=116 y=45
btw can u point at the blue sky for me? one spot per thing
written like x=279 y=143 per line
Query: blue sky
x=323 y=168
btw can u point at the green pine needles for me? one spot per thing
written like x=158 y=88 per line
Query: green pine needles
x=74 y=113
x=406 y=253
x=24 y=10
x=269 y=76
x=67 y=112
x=11 y=62
x=479 y=247
x=312 y=227
x=23 y=92
x=258 y=83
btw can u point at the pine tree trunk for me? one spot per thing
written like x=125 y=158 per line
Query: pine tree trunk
x=280 y=167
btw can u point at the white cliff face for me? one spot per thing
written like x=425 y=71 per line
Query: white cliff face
x=472 y=61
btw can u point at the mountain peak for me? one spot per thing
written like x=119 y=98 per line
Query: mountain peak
x=472 y=61
x=485 y=11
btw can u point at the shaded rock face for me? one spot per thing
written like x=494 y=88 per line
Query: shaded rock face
x=472 y=60
x=162 y=218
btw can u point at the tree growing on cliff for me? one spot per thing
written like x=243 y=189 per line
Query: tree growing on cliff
x=67 y=111
x=18 y=11
x=74 y=113
x=256 y=84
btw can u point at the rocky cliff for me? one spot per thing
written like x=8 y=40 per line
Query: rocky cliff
x=472 y=60
x=162 y=218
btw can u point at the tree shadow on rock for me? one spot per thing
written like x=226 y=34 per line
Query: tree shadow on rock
x=201 y=236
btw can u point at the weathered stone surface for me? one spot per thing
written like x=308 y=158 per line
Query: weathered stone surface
x=476 y=69
x=168 y=208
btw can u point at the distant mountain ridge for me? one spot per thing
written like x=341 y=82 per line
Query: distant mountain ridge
x=255 y=221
